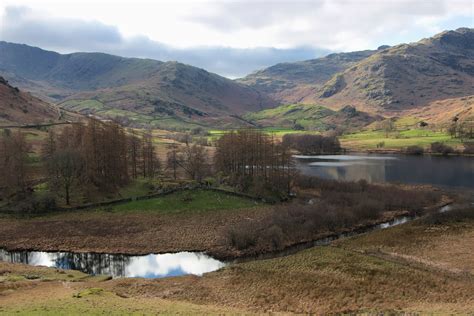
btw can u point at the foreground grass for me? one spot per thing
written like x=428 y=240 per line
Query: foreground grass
x=28 y=290
x=320 y=280
x=441 y=241
x=349 y=278
x=195 y=201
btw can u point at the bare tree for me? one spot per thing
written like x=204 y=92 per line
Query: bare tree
x=65 y=170
x=13 y=162
x=150 y=162
x=133 y=153
x=254 y=160
x=194 y=160
x=172 y=159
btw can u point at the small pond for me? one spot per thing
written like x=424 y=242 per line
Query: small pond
x=147 y=266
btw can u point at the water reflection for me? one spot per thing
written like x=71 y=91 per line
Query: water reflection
x=443 y=171
x=149 y=266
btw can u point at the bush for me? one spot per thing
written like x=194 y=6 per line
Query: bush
x=339 y=206
x=242 y=237
x=441 y=148
x=469 y=148
x=36 y=205
x=414 y=150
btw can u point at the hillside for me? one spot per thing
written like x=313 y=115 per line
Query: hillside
x=313 y=117
x=20 y=108
x=406 y=77
x=142 y=91
x=291 y=82
x=392 y=81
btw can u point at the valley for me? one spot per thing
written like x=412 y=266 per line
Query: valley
x=335 y=185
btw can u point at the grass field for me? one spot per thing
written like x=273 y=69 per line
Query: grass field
x=366 y=140
x=195 y=201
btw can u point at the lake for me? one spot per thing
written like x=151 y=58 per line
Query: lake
x=147 y=266
x=375 y=168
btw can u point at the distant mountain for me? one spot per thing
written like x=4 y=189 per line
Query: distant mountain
x=20 y=108
x=141 y=91
x=389 y=81
x=406 y=76
x=292 y=82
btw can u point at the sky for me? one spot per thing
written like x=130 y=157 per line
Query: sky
x=231 y=38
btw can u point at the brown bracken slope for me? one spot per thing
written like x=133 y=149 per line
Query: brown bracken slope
x=20 y=108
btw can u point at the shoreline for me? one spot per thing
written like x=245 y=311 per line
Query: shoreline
x=401 y=152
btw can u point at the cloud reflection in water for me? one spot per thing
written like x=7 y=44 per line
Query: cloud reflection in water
x=148 y=266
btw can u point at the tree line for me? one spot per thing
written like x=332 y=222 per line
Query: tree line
x=83 y=162
x=86 y=160
x=255 y=161
x=312 y=144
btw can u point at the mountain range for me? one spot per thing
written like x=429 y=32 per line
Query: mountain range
x=424 y=79
x=141 y=91
x=390 y=81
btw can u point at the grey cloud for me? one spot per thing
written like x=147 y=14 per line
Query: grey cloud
x=256 y=14
x=21 y=25
x=333 y=24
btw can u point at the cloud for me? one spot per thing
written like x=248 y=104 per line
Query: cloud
x=332 y=24
x=229 y=37
x=23 y=25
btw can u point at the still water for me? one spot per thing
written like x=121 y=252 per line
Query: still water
x=148 y=266
x=435 y=170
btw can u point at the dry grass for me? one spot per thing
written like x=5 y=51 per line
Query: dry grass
x=123 y=232
x=446 y=246
x=320 y=280
x=74 y=293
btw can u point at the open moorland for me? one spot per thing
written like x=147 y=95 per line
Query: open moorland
x=421 y=267
x=136 y=186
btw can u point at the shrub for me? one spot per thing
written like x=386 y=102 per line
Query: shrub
x=242 y=237
x=36 y=205
x=441 y=148
x=469 y=148
x=340 y=206
x=414 y=150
